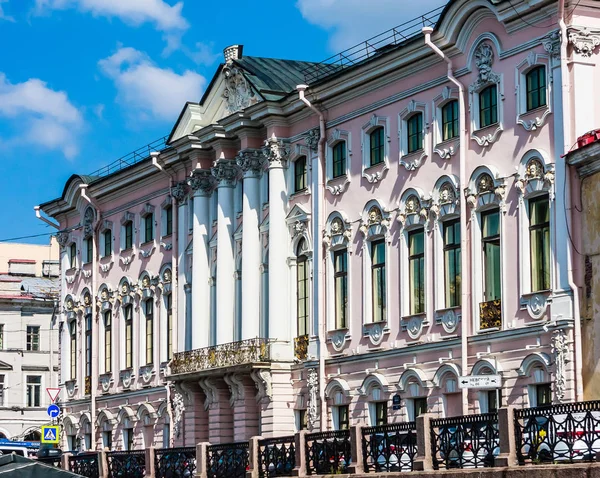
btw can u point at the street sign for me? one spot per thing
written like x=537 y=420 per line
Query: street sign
x=396 y=402
x=480 y=381
x=53 y=393
x=50 y=434
x=53 y=411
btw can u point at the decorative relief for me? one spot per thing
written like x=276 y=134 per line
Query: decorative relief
x=251 y=161
x=484 y=58
x=145 y=253
x=236 y=387
x=312 y=138
x=106 y=267
x=210 y=392
x=88 y=222
x=375 y=220
x=339 y=232
x=584 y=41
x=179 y=192
x=312 y=380
x=62 y=238
x=126 y=377
x=414 y=210
x=414 y=325
x=105 y=382
x=276 y=151
x=178 y=408
x=202 y=181
x=226 y=172
x=70 y=387
x=552 y=43
x=146 y=373
x=375 y=331
x=263 y=380
x=535 y=177
x=560 y=348
x=338 y=339
x=449 y=320
x=238 y=93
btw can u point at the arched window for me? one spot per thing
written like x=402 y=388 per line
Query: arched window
x=488 y=106
x=302 y=288
x=415 y=132
x=300 y=176
x=450 y=120
x=536 y=87
x=377 y=143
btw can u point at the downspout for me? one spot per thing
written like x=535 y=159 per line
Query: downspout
x=465 y=296
x=566 y=89
x=318 y=199
x=42 y=218
x=93 y=380
x=175 y=215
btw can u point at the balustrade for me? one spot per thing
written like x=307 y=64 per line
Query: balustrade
x=276 y=456
x=229 y=460
x=85 y=464
x=131 y=464
x=175 y=462
x=328 y=452
x=390 y=447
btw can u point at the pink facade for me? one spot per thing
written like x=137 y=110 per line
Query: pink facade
x=316 y=279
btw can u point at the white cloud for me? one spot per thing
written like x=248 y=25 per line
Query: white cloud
x=150 y=91
x=4 y=16
x=203 y=53
x=44 y=116
x=165 y=17
x=353 y=21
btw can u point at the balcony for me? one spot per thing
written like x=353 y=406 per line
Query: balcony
x=490 y=315
x=243 y=352
x=301 y=347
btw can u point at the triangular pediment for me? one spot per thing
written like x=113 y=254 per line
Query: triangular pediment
x=5 y=366
x=297 y=214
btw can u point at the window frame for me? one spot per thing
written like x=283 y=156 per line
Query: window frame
x=453 y=248
x=339 y=156
x=301 y=177
x=454 y=121
x=33 y=338
x=340 y=276
x=493 y=107
x=342 y=417
x=149 y=332
x=379 y=290
x=545 y=228
x=376 y=146
x=417 y=133
x=302 y=321
x=73 y=255
x=88 y=345
x=73 y=349
x=168 y=298
x=538 y=89
x=148 y=222
x=108 y=324
x=168 y=220
x=413 y=257
x=128 y=235
x=107 y=240
x=485 y=240
x=33 y=395
x=89 y=249
x=128 y=336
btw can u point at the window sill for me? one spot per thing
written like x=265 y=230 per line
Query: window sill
x=413 y=160
x=534 y=119
x=487 y=135
x=147 y=243
x=302 y=192
x=447 y=148
x=448 y=318
x=536 y=303
x=376 y=331
x=166 y=236
x=338 y=185
x=414 y=324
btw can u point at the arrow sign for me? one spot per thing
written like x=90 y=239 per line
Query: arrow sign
x=53 y=393
x=480 y=381
x=53 y=411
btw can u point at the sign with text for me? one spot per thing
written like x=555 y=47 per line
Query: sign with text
x=480 y=381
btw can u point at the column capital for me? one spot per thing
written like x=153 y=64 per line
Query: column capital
x=251 y=162
x=202 y=182
x=226 y=172
x=179 y=192
x=277 y=152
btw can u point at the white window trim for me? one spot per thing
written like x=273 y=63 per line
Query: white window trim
x=374 y=174
x=297 y=151
x=128 y=216
x=534 y=119
x=480 y=203
x=448 y=148
x=42 y=388
x=337 y=186
x=106 y=225
x=535 y=302
x=412 y=161
x=77 y=261
x=147 y=211
x=163 y=217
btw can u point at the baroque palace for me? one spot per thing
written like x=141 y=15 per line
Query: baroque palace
x=315 y=242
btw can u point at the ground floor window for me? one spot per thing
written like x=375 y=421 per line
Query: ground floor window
x=419 y=406
x=128 y=439
x=543 y=394
x=301 y=420
x=341 y=419
x=107 y=439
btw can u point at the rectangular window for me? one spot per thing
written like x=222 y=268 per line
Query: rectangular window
x=149 y=311
x=419 y=406
x=88 y=345
x=128 y=439
x=378 y=280
x=491 y=254
x=450 y=120
x=381 y=417
x=107 y=439
x=415 y=132
x=340 y=269
x=416 y=267
x=33 y=338
x=543 y=393
x=1 y=336
x=339 y=159
x=107 y=242
x=107 y=341
x=89 y=250
x=539 y=243
x=302 y=295
x=72 y=255
x=492 y=401
x=34 y=389
x=128 y=235
x=149 y=228
x=2 y=386
x=128 y=319
x=377 y=143
x=73 y=337
x=169 y=307
x=168 y=220
x=300 y=175
x=343 y=421
x=488 y=106
x=536 y=88
x=452 y=279
x=302 y=423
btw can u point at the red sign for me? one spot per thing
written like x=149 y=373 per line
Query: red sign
x=53 y=392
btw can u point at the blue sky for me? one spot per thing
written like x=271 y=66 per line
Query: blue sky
x=83 y=82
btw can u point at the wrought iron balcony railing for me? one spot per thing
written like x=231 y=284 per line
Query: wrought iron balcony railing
x=490 y=315
x=243 y=352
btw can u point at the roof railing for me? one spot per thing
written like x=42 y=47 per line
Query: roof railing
x=371 y=47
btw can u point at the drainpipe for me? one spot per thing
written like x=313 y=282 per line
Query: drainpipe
x=93 y=379
x=465 y=296
x=566 y=89
x=175 y=215
x=318 y=200
x=42 y=218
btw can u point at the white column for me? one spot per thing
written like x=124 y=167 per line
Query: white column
x=226 y=172
x=279 y=320
x=179 y=192
x=252 y=163
x=202 y=183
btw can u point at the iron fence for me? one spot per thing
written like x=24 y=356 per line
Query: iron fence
x=227 y=461
x=390 y=447
x=568 y=432
x=328 y=452
x=276 y=456
x=85 y=464
x=175 y=462
x=126 y=464
x=465 y=442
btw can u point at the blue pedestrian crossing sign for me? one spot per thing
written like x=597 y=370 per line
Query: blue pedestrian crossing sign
x=50 y=434
x=53 y=411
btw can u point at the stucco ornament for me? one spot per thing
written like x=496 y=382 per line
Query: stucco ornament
x=552 y=43
x=226 y=171
x=276 y=151
x=62 y=238
x=105 y=382
x=179 y=192
x=88 y=222
x=583 y=40
x=312 y=138
x=69 y=304
x=104 y=295
x=338 y=232
x=449 y=320
x=298 y=228
x=447 y=193
x=178 y=408
x=167 y=275
x=87 y=300
x=312 y=381
x=202 y=181
x=238 y=93
x=251 y=162
x=484 y=58
x=485 y=184
x=560 y=348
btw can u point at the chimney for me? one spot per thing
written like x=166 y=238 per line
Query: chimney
x=233 y=52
